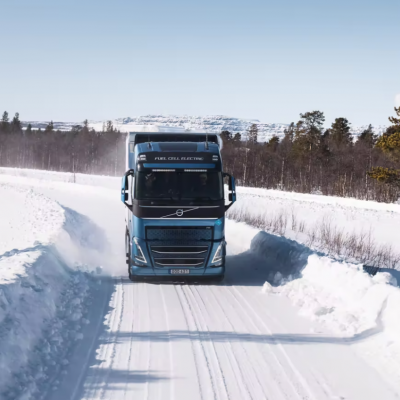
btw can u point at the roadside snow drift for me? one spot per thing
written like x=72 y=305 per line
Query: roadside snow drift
x=43 y=287
x=362 y=310
x=346 y=298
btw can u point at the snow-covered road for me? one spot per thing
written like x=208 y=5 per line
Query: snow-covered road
x=191 y=341
x=211 y=342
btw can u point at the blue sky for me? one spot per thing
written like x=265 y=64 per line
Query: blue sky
x=268 y=60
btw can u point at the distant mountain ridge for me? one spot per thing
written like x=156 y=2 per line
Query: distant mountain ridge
x=209 y=123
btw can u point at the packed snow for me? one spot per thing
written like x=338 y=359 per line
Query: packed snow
x=288 y=322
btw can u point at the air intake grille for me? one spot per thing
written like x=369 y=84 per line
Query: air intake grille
x=179 y=234
x=187 y=262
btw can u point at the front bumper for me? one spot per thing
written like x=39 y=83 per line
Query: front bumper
x=149 y=271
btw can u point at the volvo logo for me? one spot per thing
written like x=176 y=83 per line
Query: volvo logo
x=179 y=212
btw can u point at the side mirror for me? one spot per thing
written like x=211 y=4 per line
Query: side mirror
x=232 y=190
x=125 y=187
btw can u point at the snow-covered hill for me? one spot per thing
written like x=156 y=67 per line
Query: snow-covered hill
x=209 y=123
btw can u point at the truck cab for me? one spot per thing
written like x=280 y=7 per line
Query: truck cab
x=173 y=191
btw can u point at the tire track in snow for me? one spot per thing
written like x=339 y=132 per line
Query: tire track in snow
x=209 y=343
x=236 y=363
x=199 y=349
x=171 y=371
x=192 y=343
x=139 y=362
x=160 y=355
x=287 y=380
x=300 y=378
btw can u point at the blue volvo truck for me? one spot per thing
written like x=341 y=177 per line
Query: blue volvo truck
x=173 y=191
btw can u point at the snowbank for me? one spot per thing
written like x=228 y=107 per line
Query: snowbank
x=44 y=288
x=344 y=297
x=255 y=256
x=362 y=309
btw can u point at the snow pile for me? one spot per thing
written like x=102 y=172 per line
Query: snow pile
x=255 y=256
x=43 y=290
x=362 y=310
x=344 y=297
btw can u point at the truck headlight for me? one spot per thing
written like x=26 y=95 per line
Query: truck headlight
x=217 y=259
x=139 y=256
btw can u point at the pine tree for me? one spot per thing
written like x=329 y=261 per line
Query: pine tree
x=396 y=121
x=4 y=125
x=390 y=145
x=109 y=127
x=389 y=176
x=16 y=124
x=49 y=127
x=273 y=143
x=289 y=133
x=29 y=128
x=312 y=125
x=253 y=134
x=226 y=136
x=339 y=133
x=389 y=142
x=237 y=138
x=368 y=137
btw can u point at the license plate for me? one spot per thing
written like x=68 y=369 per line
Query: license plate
x=179 y=271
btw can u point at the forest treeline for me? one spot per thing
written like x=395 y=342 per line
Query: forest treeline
x=80 y=149
x=308 y=159
x=311 y=159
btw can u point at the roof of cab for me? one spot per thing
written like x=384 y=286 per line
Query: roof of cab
x=193 y=147
x=173 y=136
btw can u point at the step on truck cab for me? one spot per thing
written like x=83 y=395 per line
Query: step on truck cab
x=173 y=191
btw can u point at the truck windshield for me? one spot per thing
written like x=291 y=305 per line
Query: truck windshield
x=179 y=185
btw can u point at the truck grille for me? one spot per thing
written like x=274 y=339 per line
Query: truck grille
x=179 y=233
x=174 y=262
x=179 y=246
x=174 y=250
